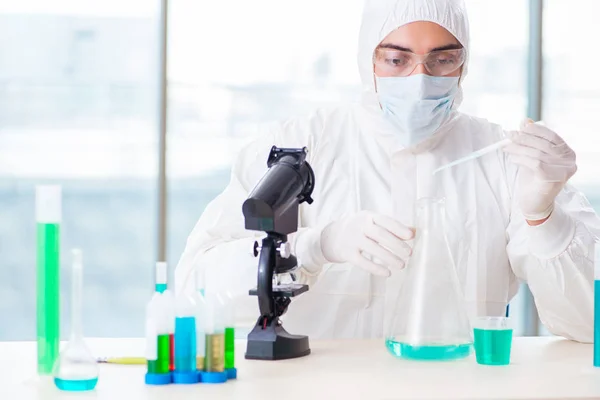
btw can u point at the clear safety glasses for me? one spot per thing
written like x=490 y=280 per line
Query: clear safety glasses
x=393 y=62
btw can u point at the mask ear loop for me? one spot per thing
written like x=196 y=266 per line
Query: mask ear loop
x=374 y=76
x=460 y=77
x=375 y=79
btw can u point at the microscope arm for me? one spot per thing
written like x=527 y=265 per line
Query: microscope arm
x=266 y=263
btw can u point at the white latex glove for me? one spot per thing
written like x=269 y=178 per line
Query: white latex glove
x=547 y=164
x=367 y=233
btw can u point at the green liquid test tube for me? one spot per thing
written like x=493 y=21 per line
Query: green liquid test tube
x=48 y=217
x=158 y=340
x=161 y=364
x=229 y=321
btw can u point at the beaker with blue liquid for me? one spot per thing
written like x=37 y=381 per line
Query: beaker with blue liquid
x=430 y=320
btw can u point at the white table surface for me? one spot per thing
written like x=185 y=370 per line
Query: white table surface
x=541 y=368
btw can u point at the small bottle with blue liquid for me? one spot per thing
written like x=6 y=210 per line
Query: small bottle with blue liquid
x=185 y=340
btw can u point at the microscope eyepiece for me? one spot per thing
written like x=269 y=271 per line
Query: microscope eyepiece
x=273 y=204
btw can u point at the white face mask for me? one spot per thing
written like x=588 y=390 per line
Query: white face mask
x=416 y=105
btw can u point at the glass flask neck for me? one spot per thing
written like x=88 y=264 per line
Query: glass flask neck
x=76 y=300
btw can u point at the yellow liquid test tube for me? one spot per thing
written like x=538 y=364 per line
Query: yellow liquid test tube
x=214 y=360
x=215 y=353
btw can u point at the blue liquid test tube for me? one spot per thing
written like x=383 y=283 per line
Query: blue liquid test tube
x=185 y=341
x=597 y=304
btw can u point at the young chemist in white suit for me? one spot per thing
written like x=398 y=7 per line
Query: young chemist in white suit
x=511 y=216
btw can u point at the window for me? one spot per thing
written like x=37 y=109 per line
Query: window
x=496 y=84
x=230 y=72
x=571 y=96
x=78 y=100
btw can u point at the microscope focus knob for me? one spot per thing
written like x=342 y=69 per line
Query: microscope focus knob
x=285 y=250
x=256 y=249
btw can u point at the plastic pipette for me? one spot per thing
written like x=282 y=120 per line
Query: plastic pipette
x=475 y=154
x=122 y=360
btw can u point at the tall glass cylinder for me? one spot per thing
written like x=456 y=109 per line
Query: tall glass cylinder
x=48 y=219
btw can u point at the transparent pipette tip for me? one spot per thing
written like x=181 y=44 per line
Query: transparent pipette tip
x=475 y=154
x=77 y=258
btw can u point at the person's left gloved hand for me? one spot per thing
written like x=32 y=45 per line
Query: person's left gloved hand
x=546 y=162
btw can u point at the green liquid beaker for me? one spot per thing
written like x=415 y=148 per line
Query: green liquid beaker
x=493 y=340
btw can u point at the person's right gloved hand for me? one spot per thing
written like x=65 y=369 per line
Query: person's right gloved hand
x=354 y=238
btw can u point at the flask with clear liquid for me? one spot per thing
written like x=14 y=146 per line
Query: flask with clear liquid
x=430 y=320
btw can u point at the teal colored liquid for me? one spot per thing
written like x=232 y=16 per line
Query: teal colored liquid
x=48 y=291
x=597 y=323
x=75 y=385
x=492 y=347
x=160 y=287
x=428 y=353
x=185 y=344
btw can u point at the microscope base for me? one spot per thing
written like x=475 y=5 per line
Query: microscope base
x=275 y=343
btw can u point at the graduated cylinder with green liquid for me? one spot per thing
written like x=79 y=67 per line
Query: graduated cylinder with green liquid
x=48 y=218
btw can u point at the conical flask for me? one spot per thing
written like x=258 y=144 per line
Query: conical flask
x=430 y=320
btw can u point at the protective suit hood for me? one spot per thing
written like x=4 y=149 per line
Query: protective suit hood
x=381 y=17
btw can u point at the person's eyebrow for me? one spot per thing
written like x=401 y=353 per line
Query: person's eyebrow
x=394 y=47
x=451 y=46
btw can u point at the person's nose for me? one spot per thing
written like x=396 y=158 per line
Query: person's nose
x=420 y=69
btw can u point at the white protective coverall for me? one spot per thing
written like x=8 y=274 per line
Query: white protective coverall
x=359 y=165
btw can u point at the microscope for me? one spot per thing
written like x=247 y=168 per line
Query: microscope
x=272 y=207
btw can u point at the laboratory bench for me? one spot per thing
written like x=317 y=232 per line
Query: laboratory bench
x=541 y=368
